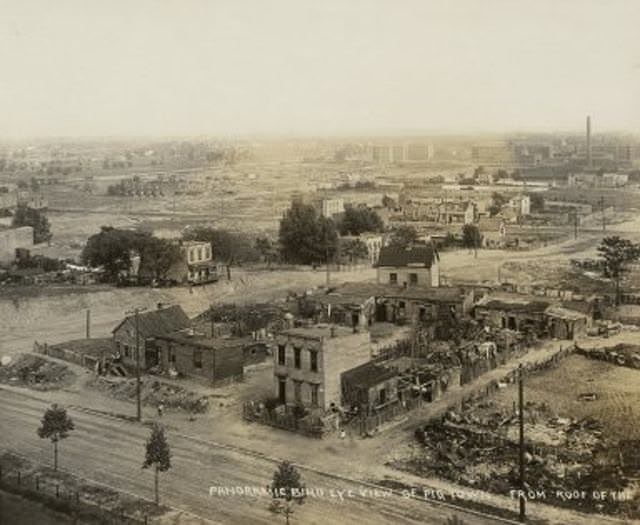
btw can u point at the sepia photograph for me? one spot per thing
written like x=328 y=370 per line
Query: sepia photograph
x=319 y=262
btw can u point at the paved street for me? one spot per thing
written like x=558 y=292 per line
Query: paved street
x=111 y=452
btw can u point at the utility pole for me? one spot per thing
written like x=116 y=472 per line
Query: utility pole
x=88 y=324
x=138 y=407
x=521 y=420
x=136 y=313
x=213 y=326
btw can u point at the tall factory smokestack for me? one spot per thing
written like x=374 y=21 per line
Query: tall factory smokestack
x=589 y=161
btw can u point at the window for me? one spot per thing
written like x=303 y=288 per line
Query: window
x=297 y=357
x=413 y=278
x=197 y=358
x=281 y=354
x=172 y=354
x=207 y=252
x=191 y=256
x=126 y=350
x=297 y=391
x=200 y=253
x=382 y=396
x=393 y=278
x=314 y=395
x=313 y=358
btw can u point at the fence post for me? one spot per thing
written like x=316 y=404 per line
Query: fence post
x=19 y=477
x=145 y=519
x=38 y=483
x=57 y=490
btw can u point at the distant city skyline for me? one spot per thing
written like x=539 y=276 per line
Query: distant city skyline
x=317 y=69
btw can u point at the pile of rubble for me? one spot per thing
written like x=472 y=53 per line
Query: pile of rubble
x=35 y=372
x=479 y=448
x=620 y=354
x=153 y=393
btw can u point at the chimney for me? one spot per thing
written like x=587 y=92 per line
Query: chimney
x=589 y=160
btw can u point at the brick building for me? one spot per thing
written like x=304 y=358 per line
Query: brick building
x=309 y=363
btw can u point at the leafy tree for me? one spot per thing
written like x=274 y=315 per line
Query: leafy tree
x=266 y=249
x=616 y=254
x=403 y=236
x=287 y=488
x=498 y=200
x=157 y=455
x=471 y=237
x=537 y=202
x=305 y=237
x=353 y=250
x=157 y=256
x=112 y=249
x=25 y=216
x=360 y=219
x=55 y=425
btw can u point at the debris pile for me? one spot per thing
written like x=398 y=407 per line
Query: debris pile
x=479 y=448
x=35 y=372
x=620 y=354
x=153 y=393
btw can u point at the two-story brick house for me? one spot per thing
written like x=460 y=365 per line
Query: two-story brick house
x=309 y=363
x=418 y=265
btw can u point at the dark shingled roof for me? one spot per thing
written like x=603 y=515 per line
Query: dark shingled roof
x=368 y=375
x=159 y=322
x=422 y=255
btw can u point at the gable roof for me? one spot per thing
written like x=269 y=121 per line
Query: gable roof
x=394 y=256
x=368 y=375
x=158 y=322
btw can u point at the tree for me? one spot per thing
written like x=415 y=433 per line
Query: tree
x=360 y=219
x=353 y=250
x=403 y=237
x=112 y=249
x=157 y=455
x=25 y=216
x=498 y=200
x=55 y=425
x=616 y=254
x=266 y=249
x=287 y=488
x=471 y=237
x=537 y=202
x=157 y=256
x=305 y=237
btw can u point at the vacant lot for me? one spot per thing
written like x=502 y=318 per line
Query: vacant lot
x=616 y=389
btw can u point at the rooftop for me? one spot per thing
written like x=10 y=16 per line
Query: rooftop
x=159 y=322
x=203 y=341
x=318 y=331
x=368 y=375
x=514 y=302
x=416 y=255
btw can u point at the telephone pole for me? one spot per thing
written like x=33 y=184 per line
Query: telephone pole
x=138 y=386
x=88 y=324
x=521 y=421
x=136 y=313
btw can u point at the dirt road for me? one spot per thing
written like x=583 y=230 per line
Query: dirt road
x=111 y=452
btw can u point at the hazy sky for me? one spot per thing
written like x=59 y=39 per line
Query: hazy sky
x=174 y=67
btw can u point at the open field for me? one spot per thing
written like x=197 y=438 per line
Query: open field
x=617 y=390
